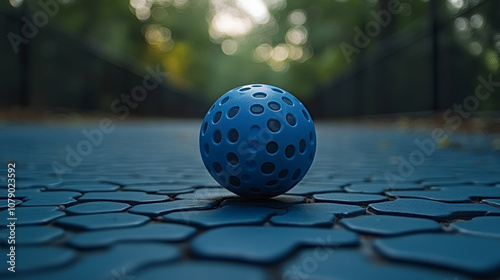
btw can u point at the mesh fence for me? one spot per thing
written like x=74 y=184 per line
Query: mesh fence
x=433 y=63
x=57 y=72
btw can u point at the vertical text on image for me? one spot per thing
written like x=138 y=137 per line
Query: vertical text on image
x=11 y=218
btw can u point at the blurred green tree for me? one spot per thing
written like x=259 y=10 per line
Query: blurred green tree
x=210 y=46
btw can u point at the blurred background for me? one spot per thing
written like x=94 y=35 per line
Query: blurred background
x=341 y=58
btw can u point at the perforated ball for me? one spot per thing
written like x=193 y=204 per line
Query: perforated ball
x=257 y=141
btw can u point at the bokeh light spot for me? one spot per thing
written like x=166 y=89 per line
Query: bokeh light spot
x=229 y=47
x=297 y=17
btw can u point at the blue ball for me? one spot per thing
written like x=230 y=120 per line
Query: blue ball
x=257 y=141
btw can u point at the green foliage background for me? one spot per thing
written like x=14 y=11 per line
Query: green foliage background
x=197 y=65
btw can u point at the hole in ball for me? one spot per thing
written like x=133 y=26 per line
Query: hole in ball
x=232 y=158
x=296 y=174
x=226 y=99
x=289 y=151
x=233 y=112
x=277 y=90
x=233 y=135
x=244 y=89
x=302 y=146
x=275 y=106
x=283 y=173
x=205 y=126
x=273 y=125
x=217 y=167
x=267 y=168
x=272 y=147
x=287 y=101
x=259 y=95
x=217 y=117
x=235 y=181
x=290 y=119
x=207 y=149
x=271 y=183
x=305 y=115
x=217 y=137
x=257 y=109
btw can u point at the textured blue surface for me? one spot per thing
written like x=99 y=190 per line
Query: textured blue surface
x=317 y=214
x=203 y=270
x=97 y=207
x=488 y=178
x=151 y=232
x=120 y=262
x=102 y=221
x=123 y=196
x=379 y=188
x=207 y=194
x=32 y=235
x=125 y=181
x=265 y=244
x=486 y=226
x=152 y=167
x=451 y=194
x=350 y=198
x=344 y=181
x=34 y=215
x=227 y=215
x=257 y=141
x=432 y=209
x=33 y=258
x=472 y=254
x=51 y=198
x=495 y=202
x=22 y=193
x=445 y=182
x=4 y=203
x=389 y=225
x=27 y=183
x=280 y=202
x=333 y=263
x=154 y=188
x=161 y=208
x=311 y=188
x=84 y=187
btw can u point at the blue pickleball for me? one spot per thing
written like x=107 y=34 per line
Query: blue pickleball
x=257 y=141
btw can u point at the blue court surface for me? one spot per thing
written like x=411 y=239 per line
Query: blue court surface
x=122 y=200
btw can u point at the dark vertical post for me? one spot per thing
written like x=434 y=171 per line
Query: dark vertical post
x=382 y=70
x=24 y=60
x=434 y=55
